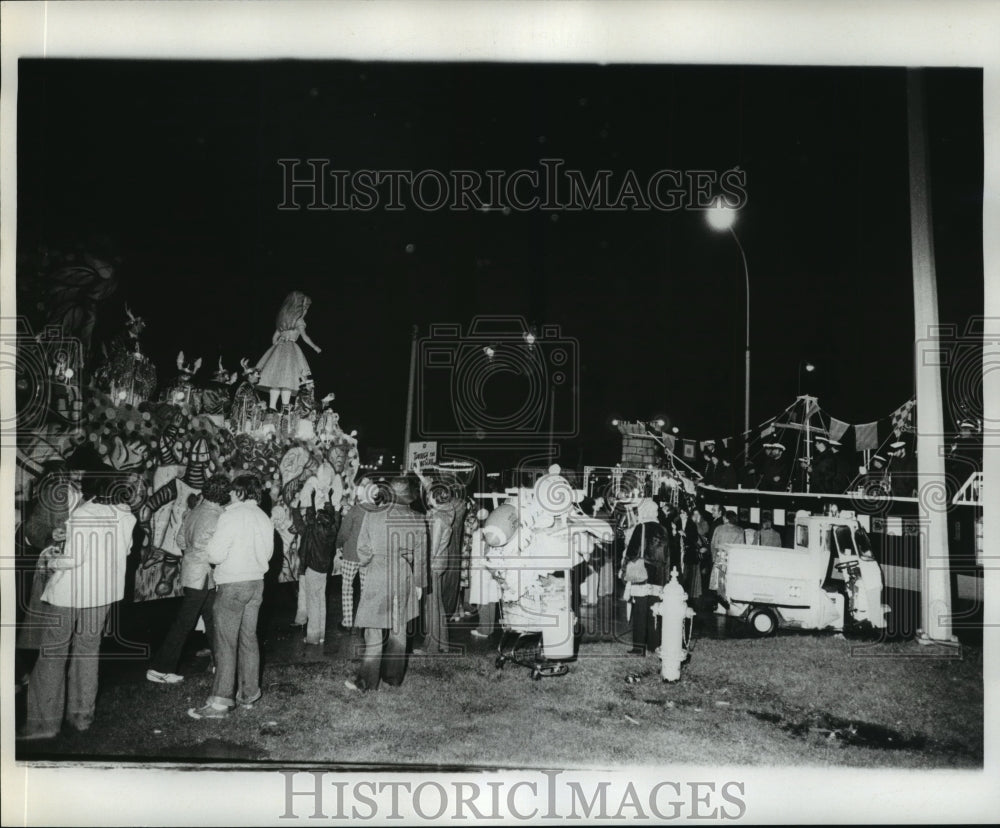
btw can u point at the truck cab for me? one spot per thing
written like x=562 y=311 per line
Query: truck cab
x=829 y=578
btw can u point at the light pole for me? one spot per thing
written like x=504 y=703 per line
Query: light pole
x=809 y=369
x=723 y=218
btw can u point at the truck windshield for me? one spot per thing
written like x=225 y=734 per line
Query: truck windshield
x=845 y=541
x=863 y=542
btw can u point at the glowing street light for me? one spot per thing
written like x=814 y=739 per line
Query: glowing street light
x=722 y=218
x=809 y=368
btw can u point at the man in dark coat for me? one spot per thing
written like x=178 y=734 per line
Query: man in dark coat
x=902 y=469
x=823 y=469
x=966 y=451
x=842 y=471
x=709 y=463
x=393 y=544
x=875 y=481
x=774 y=469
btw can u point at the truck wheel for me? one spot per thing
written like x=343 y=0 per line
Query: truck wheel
x=762 y=622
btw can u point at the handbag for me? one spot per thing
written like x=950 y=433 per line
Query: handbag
x=635 y=569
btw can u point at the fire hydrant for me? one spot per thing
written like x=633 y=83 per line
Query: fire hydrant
x=674 y=611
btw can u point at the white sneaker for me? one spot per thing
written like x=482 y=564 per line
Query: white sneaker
x=478 y=634
x=163 y=678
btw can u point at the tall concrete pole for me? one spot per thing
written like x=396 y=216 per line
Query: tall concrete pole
x=935 y=592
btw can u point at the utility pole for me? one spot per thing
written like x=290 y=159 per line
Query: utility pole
x=935 y=567
x=409 y=398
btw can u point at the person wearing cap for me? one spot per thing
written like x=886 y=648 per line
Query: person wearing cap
x=875 y=482
x=902 y=469
x=965 y=452
x=774 y=469
x=393 y=547
x=823 y=472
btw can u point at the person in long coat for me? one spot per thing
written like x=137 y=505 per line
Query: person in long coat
x=390 y=541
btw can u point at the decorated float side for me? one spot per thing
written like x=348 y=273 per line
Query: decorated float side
x=164 y=445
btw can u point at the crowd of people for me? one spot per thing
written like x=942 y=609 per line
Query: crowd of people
x=664 y=540
x=404 y=538
x=830 y=469
x=407 y=540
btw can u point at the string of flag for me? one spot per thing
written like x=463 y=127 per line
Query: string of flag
x=866 y=436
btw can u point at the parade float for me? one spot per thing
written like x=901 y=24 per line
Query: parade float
x=164 y=446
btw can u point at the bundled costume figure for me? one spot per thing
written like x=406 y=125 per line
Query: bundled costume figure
x=644 y=572
x=283 y=367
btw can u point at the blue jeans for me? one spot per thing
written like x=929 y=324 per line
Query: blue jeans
x=194 y=603
x=54 y=692
x=235 y=612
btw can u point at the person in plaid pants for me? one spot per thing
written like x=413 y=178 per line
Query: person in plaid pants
x=347 y=540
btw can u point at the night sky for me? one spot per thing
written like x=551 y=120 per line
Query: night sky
x=178 y=163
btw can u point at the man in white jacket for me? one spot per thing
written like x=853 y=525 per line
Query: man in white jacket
x=240 y=549
x=88 y=579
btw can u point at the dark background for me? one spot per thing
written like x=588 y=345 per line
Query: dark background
x=177 y=163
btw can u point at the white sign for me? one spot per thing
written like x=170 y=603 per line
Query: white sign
x=424 y=453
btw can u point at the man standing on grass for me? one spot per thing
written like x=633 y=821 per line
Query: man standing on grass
x=196 y=578
x=240 y=549
x=391 y=539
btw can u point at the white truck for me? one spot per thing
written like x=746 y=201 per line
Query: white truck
x=829 y=578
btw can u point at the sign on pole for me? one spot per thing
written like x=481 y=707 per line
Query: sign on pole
x=424 y=453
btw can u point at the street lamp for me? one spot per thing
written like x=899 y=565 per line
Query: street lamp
x=809 y=369
x=723 y=218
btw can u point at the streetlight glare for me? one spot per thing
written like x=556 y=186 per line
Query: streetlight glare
x=720 y=217
x=810 y=367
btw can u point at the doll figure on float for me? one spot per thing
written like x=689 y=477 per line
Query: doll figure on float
x=283 y=366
